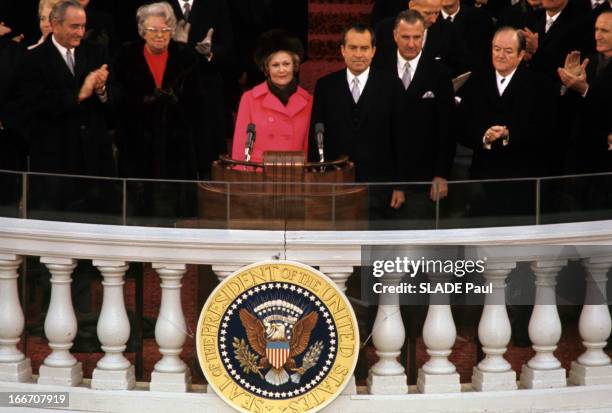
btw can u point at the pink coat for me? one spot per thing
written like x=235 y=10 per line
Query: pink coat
x=278 y=127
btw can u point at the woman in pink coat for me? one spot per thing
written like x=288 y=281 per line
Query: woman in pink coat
x=278 y=107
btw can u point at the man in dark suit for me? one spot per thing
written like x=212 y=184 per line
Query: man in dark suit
x=551 y=33
x=62 y=88
x=361 y=111
x=506 y=112
x=440 y=40
x=207 y=26
x=474 y=26
x=590 y=89
x=428 y=98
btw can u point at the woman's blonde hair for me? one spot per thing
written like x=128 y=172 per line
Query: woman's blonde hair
x=43 y=3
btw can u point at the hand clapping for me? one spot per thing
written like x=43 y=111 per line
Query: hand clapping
x=573 y=73
x=94 y=82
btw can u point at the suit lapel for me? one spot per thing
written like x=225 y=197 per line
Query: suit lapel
x=80 y=64
x=492 y=92
x=367 y=97
x=57 y=62
x=419 y=77
x=345 y=96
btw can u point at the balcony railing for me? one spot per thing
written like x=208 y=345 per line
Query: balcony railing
x=541 y=384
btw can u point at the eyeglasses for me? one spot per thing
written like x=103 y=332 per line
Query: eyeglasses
x=156 y=30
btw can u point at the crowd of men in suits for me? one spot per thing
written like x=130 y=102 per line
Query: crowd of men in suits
x=538 y=101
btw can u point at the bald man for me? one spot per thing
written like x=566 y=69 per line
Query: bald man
x=441 y=41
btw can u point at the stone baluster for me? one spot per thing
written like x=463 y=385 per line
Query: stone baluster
x=339 y=275
x=544 y=369
x=388 y=376
x=438 y=374
x=171 y=373
x=595 y=325
x=494 y=332
x=14 y=366
x=113 y=371
x=60 y=367
x=224 y=271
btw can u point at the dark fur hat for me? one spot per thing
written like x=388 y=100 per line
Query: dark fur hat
x=275 y=41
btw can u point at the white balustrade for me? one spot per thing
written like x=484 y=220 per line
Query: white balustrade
x=113 y=371
x=438 y=374
x=224 y=271
x=60 y=367
x=494 y=332
x=544 y=370
x=595 y=325
x=388 y=376
x=171 y=373
x=14 y=366
x=339 y=275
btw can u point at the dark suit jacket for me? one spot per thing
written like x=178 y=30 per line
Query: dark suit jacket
x=369 y=132
x=12 y=147
x=517 y=16
x=525 y=109
x=475 y=28
x=101 y=29
x=206 y=14
x=64 y=136
x=429 y=102
x=442 y=43
x=553 y=46
x=594 y=121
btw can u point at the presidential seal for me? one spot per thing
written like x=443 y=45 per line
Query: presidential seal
x=279 y=337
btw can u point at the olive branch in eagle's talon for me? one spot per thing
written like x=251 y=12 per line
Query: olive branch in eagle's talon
x=246 y=358
x=310 y=358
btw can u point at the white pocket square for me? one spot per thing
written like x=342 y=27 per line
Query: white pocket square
x=428 y=95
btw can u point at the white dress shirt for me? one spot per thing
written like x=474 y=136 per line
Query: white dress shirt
x=363 y=79
x=401 y=64
x=550 y=20
x=62 y=50
x=501 y=86
x=452 y=16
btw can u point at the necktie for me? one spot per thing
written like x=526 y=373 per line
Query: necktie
x=186 y=10
x=70 y=61
x=501 y=85
x=407 y=77
x=549 y=22
x=449 y=18
x=355 y=90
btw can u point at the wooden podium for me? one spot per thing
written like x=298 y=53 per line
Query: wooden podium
x=283 y=192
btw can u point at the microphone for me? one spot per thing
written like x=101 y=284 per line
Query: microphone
x=248 y=145
x=319 y=132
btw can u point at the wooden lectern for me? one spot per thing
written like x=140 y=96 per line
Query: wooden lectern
x=283 y=192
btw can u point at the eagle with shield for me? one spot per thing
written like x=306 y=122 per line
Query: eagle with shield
x=278 y=332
